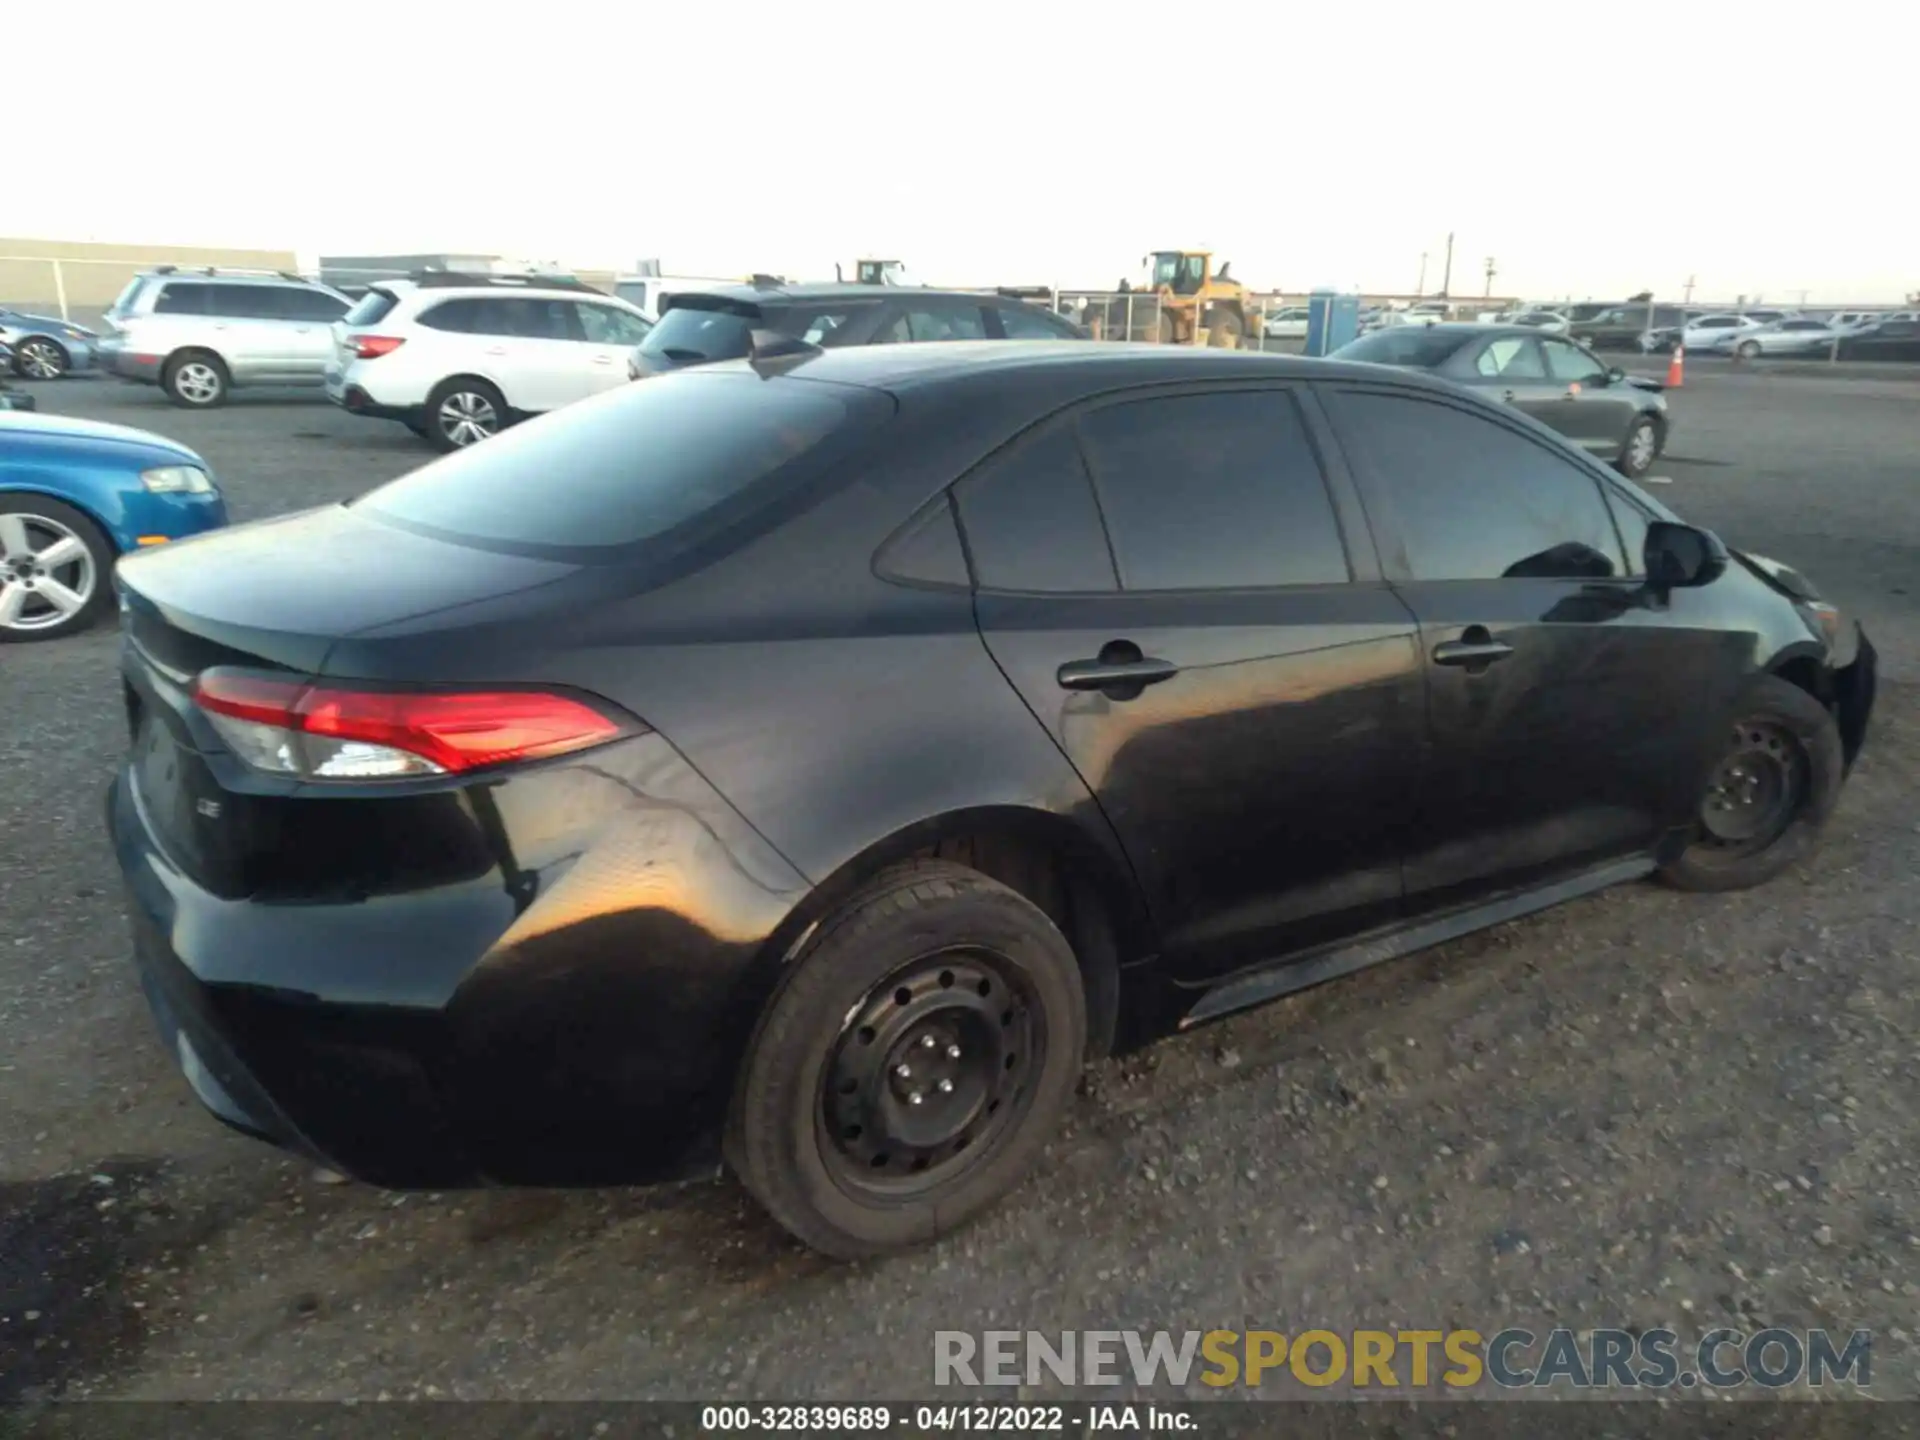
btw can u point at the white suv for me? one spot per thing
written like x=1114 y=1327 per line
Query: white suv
x=456 y=357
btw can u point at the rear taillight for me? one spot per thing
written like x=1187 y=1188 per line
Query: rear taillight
x=372 y=347
x=326 y=732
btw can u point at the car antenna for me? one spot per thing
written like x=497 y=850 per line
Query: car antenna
x=773 y=353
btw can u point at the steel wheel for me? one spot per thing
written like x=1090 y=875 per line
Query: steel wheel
x=466 y=417
x=1748 y=349
x=40 y=359
x=929 y=1072
x=47 y=573
x=1755 y=791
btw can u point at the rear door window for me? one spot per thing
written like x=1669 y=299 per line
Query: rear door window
x=458 y=317
x=243 y=302
x=682 y=456
x=1213 y=492
x=1511 y=357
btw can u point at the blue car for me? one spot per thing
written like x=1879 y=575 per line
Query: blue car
x=74 y=496
x=45 y=347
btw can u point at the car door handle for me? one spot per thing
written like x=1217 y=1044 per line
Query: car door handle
x=1112 y=674
x=1506 y=394
x=603 y=359
x=1474 y=647
x=496 y=350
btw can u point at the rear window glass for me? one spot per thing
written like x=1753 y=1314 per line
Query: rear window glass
x=689 y=333
x=371 y=308
x=176 y=298
x=1420 y=348
x=682 y=452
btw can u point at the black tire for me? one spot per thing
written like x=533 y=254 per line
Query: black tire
x=1165 y=328
x=1746 y=350
x=31 y=623
x=196 y=380
x=453 y=423
x=40 y=357
x=1776 y=719
x=1637 y=456
x=913 y=926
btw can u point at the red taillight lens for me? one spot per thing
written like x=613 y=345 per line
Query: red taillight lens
x=372 y=347
x=325 y=732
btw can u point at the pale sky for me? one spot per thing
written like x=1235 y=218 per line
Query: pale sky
x=1592 y=147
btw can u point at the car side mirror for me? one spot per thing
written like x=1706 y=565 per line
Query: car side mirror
x=1679 y=557
x=1616 y=376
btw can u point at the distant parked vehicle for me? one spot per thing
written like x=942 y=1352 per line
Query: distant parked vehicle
x=1792 y=336
x=74 y=496
x=700 y=328
x=1888 y=340
x=457 y=357
x=1624 y=327
x=1699 y=333
x=44 y=347
x=1288 y=324
x=647 y=292
x=201 y=334
x=1547 y=322
x=1847 y=320
x=1609 y=414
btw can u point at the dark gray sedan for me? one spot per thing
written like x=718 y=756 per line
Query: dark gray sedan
x=1619 y=418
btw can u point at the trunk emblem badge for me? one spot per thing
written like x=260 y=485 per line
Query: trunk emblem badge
x=208 y=808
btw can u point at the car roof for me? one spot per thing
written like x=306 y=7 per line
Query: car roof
x=832 y=290
x=1105 y=365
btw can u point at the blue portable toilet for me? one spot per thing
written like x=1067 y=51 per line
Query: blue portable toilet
x=1333 y=318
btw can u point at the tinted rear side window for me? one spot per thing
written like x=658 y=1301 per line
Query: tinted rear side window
x=1213 y=492
x=243 y=302
x=1031 y=522
x=461 y=317
x=372 y=307
x=633 y=465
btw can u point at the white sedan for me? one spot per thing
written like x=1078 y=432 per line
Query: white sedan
x=1547 y=322
x=1288 y=324
x=1791 y=336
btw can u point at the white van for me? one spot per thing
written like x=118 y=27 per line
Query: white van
x=643 y=292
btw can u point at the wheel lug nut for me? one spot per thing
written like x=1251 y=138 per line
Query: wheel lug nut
x=928 y=1042
x=953 y=1052
x=905 y=1072
x=916 y=1098
x=946 y=1087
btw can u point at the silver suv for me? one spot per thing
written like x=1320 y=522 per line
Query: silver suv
x=198 y=334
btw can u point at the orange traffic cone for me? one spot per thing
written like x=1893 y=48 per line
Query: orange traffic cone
x=1677 y=367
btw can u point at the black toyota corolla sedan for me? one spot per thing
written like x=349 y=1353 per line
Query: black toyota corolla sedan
x=1616 y=417
x=813 y=760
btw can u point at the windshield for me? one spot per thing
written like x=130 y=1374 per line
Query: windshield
x=684 y=452
x=1421 y=347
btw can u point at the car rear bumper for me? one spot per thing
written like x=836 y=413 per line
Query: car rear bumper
x=115 y=357
x=573 y=1015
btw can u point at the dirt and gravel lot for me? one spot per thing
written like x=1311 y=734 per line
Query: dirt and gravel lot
x=1642 y=1109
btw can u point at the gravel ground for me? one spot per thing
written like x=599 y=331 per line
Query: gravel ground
x=1641 y=1109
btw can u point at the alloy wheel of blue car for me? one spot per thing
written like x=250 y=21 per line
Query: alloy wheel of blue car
x=52 y=567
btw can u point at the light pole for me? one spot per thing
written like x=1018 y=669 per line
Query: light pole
x=1421 y=288
x=1487 y=294
x=1446 y=276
